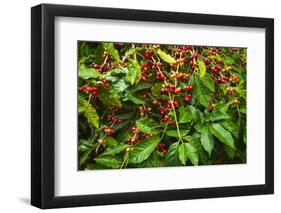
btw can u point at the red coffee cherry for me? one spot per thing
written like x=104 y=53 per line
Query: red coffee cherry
x=189 y=88
x=176 y=104
x=177 y=90
x=166 y=118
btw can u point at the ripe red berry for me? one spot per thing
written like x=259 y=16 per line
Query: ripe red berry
x=187 y=98
x=189 y=88
x=96 y=66
x=169 y=105
x=164 y=90
x=111 y=132
x=176 y=104
x=177 y=90
x=165 y=118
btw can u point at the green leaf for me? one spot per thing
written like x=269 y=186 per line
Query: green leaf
x=151 y=162
x=115 y=149
x=126 y=116
x=222 y=134
x=99 y=54
x=228 y=60
x=109 y=161
x=166 y=57
x=84 y=157
x=229 y=151
x=194 y=140
x=202 y=67
x=184 y=115
x=107 y=99
x=223 y=107
x=110 y=141
x=86 y=73
x=134 y=74
x=217 y=115
x=201 y=93
x=135 y=98
x=191 y=153
x=194 y=112
x=112 y=51
x=172 y=157
x=141 y=151
x=132 y=51
x=156 y=89
x=207 y=140
x=208 y=82
x=243 y=110
x=96 y=166
x=183 y=153
x=90 y=113
x=232 y=127
x=116 y=71
x=120 y=86
x=174 y=133
x=140 y=86
x=147 y=125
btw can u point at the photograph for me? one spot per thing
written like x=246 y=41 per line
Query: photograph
x=134 y=105
x=160 y=105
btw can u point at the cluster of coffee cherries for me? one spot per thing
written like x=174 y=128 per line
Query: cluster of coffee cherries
x=170 y=104
x=222 y=79
x=102 y=69
x=207 y=61
x=148 y=54
x=90 y=89
x=182 y=50
x=230 y=90
x=144 y=109
x=165 y=117
x=179 y=75
x=193 y=58
x=160 y=75
x=170 y=88
x=179 y=62
x=104 y=82
x=161 y=147
x=114 y=119
x=137 y=136
x=216 y=69
x=188 y=96
x=109 y=130
x=145 y=68
x=234 y=78
x=214 y=51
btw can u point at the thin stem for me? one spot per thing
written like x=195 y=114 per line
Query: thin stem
x=125 y=159
x=175 y=115
x=164 y=131
x=172 y=102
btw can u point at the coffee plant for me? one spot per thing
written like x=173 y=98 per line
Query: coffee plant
x=149 y=105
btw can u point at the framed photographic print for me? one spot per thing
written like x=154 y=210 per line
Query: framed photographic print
x=139 y=106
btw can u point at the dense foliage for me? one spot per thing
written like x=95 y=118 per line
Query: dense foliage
x=144 y=105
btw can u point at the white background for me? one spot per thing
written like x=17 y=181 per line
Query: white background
x=70 y=182
x=15 y=106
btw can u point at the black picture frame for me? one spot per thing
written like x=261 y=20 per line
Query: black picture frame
x=43 y=117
